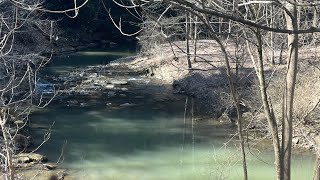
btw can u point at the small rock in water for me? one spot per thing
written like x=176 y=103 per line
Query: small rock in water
x=83 y=104
x=93 y=75
x=118 y=82
x=50 y=166
x=110 y=86
x=122 y=95
x=98 y=83
x=19 y=122
x=124 y=89
x=109 y=104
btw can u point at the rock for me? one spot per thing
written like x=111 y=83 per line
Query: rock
x=83 y=104
x=93 y=75
x=82 y=74
x=50 y=166
x=124 y=89
x=110 y=86
x=21 y=142
x=13 y=131
x=118 y=82
x=97 y=84
x=109 y=104
x=295 y=140
x=41 y=174
x=127 y=104
x=19 y=122
x=88 y=81
x=29 y=157
x=122 y=95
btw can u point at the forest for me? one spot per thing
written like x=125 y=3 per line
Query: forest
x=159 y=89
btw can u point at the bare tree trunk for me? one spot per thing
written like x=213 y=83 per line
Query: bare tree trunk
x=9 y=169
x=272 y=37
x=267 y=104
x=236 y=101
x=195 y=39
x=292 y=58
x=316 y=172
x=233 y=92
x=51 y=31
x=187 y=39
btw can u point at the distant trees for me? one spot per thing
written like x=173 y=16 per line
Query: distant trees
x=266 y=27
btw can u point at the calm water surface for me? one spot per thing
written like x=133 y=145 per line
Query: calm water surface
x=148 y=141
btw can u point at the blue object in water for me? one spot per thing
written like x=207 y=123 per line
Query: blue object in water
x=44 y=88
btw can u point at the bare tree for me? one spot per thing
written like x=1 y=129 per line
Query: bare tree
x=21 y=89
x=261 y=20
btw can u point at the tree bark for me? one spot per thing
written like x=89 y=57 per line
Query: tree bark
x=9 y=169
x=233 y=91
x=187 y=39
x=195 y=39
x=259 y=68
x=316 y=172
x=292 y=59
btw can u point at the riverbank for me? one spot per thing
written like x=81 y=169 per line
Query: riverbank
x=207 y=82
x=132 y=82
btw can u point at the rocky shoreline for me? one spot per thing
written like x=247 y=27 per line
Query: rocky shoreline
x=96 y=86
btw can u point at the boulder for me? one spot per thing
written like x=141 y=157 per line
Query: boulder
x=21 y=142
x=29 y=157
x=39 y=173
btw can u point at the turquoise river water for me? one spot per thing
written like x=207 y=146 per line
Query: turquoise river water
x=148 y=141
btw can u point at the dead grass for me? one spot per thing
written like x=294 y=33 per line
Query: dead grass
x=169 y=62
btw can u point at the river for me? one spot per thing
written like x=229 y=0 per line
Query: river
x=141 y=133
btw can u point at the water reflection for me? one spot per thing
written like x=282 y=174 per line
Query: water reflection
x=132 y=143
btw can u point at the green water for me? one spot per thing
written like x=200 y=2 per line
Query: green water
x=149 y=141
x=69 y=62
x=141 y=143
